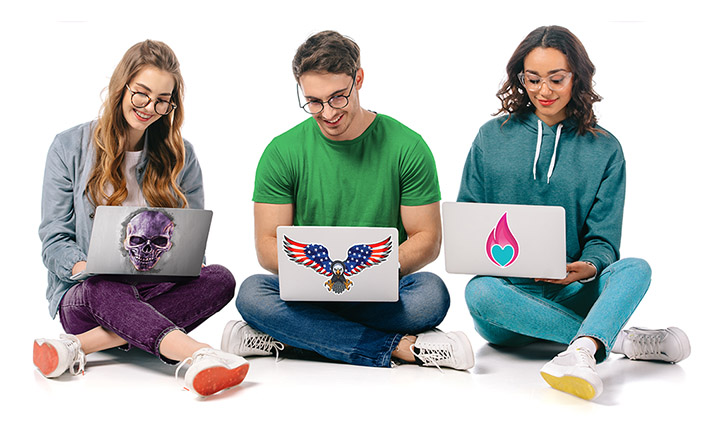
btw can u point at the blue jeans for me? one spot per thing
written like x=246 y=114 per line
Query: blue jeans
x=516 y=312
x=358 y=333
x=143 y=313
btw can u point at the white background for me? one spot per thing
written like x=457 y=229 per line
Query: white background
x=435 y=66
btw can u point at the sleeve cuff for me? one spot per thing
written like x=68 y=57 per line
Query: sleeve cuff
x=590 y=279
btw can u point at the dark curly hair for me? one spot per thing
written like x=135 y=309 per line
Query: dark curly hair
x=514 y=97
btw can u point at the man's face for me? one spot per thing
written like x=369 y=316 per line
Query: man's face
x=337 y=124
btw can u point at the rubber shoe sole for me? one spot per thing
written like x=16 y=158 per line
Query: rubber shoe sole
x=45 y=358
x=571 y=384
x=218 y=378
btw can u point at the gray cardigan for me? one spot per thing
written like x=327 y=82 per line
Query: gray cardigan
x=67 y=214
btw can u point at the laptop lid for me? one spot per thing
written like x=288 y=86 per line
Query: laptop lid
x=504 y=240
x=148 y=241
x=338 y=263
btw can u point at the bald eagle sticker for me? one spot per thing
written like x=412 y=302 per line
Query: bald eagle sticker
x=315 y=257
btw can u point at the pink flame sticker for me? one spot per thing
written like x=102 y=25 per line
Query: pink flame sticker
x=501 y=246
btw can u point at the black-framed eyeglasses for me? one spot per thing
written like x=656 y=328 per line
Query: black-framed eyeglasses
x=337 y=102
x=141 y=100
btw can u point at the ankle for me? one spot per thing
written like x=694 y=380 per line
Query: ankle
x=403 y=351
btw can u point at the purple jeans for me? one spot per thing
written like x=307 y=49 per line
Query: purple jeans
x=143 y=313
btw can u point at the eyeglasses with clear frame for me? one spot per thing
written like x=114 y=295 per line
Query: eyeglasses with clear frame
x=141 y=100
x=555 y=82
x=316 y=106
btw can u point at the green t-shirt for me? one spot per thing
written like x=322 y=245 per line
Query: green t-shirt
x=359 y=182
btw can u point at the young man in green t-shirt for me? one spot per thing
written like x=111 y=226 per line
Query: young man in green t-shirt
x=347 y=166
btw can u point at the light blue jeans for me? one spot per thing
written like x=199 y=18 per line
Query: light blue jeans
x=516 y=312
x=362 y=334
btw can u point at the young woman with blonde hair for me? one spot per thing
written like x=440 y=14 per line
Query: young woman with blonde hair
x=133 y=155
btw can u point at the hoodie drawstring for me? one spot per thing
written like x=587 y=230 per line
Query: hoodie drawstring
x=537 y=151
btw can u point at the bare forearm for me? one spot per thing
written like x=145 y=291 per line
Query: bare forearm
x=267 y=218
x=417 y=252
x=266 y=249
x=422 y=223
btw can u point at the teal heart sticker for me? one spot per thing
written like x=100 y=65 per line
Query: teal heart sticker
x=502 y=255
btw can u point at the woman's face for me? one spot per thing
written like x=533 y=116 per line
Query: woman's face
x=549 y=104
x=158 y=85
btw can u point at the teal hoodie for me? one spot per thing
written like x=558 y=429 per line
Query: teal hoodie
x=525 y=161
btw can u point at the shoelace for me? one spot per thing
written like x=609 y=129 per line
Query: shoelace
x=264 y=343
x=432 y=354
x=586 y=358
x=645 y=344
x=77 y=366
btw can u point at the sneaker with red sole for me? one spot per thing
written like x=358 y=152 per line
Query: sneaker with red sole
x=212 y=371
x=53 y=357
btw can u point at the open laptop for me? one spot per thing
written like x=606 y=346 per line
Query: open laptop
x=347 y=264
x=504 y=240
x=147 y=242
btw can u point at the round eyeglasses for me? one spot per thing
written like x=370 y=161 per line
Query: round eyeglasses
x=141 y=100
x=337 y=102
x=555 y=82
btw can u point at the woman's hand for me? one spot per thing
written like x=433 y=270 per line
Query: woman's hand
x=78 y=267
x=579 y=270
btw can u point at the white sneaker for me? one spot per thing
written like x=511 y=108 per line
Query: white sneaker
x=573 y=371
x=212 y=371
x=241 y=339
x=669 y=345
x=435 y=348
x=53 y=357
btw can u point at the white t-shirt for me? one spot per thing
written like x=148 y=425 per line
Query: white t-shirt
x=135 y=197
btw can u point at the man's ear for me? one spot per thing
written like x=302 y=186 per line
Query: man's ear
x=359 y=78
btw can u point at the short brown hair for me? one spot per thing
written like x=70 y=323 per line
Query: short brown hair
x=327 y=51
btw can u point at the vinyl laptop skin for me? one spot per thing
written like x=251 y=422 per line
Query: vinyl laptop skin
x=145 y=241
x=346 y=264
x=504 y=240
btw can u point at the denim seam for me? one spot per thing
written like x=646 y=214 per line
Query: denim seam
x=386 y=357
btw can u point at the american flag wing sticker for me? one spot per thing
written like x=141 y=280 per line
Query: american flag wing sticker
x=362 y=256
x=312 y=256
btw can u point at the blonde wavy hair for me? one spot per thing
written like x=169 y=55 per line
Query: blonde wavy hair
x=165 y=148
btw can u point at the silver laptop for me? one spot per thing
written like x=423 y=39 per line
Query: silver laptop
x=144 y=241
x=504 y=240
x=347 y=264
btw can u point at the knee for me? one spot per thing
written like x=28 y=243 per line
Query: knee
x=639 y=266
x=491 y=312
x=430 y=288
x=637 y=269
x=250 y=294
x=480 y=296
x=220 y=279
x=97 y=290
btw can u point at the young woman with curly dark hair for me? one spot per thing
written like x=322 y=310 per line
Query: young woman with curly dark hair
x=547 y=149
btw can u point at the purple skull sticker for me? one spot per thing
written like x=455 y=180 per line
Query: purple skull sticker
x=147 y=237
